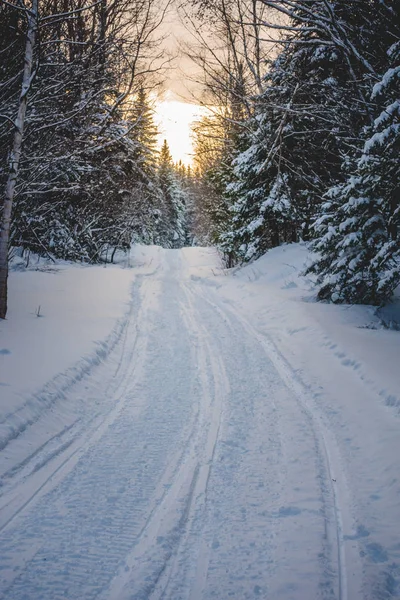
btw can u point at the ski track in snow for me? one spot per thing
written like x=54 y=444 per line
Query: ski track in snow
x=192 y=463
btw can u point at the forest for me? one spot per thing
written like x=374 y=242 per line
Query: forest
x=301 y=140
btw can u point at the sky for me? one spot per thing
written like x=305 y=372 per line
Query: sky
x=178 y=79
x=177 y=109
x=174 y=118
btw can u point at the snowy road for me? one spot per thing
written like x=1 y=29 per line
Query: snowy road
x=192 y=463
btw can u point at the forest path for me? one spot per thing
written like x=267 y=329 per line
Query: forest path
x=198 y=467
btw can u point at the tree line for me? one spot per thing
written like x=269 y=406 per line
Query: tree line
x=80 y=173
x=303 y=136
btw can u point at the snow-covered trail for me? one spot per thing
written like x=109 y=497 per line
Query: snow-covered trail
x=195 y=465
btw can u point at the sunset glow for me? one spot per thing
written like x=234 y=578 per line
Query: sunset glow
x=174 y=119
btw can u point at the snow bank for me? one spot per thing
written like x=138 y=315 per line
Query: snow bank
x=318 y=336
x=61 y=318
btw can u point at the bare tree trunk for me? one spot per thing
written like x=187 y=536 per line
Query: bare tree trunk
x=16 y=155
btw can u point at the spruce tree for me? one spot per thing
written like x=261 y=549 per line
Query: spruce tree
x=143 y=129
x=359 y=231
x=305 y=122
x=174 y=200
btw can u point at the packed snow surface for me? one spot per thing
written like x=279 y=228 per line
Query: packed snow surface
x=171 y=430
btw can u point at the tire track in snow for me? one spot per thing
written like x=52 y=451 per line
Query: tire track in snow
x=95 y=515
x=171 y=520
x=336 y=489
x=235 y=445
x=215 y=391
x=130 y=514
x=16 y=423
x=185 y=574
x=183 y=570
x=36 y=479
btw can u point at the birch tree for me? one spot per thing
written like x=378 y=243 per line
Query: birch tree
x=15 y=155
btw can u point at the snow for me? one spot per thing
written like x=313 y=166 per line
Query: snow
x=382 y=137
x=386 y=80
x=78 y=305
x=173 y=429
x=280 y=290
x=58 y=315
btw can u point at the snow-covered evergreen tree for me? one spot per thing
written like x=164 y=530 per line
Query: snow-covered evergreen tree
x=305 y=122
x=143 y=130
x=88 y=171
x=174 y=200
x=359 y=231
x=260 y=203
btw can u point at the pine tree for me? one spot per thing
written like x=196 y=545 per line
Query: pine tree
x=174 y=198
x=304 y=122
x=143 y=129
x=309 y=120
x=359 y=232
x=219 y=138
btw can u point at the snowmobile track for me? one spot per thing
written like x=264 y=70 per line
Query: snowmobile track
x=333 y=479
x=196 y=465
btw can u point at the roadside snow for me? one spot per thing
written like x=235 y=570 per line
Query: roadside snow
x=78 y=307
x=62 y=318
x=282 y=302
